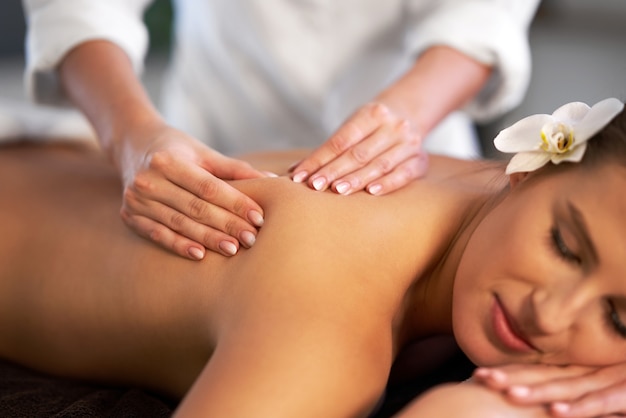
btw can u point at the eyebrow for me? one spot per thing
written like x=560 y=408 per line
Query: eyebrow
x=580 y=224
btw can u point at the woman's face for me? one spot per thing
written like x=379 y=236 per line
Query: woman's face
x=543 y=277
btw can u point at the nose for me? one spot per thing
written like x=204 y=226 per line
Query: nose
x=557 y=309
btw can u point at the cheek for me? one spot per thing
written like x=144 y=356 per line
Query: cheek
x=490 y=264
x=471 y=304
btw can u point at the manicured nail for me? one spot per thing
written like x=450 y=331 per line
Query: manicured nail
x=343 y=187
x=498 y=376
x=374 y=189
x=247 y=238
x=519 y=391
x=270 y=174
x=319 y=183
x=300 y=176
x=560 y=407
x=256 y=218
x=195 y=253
x=482 y=372
x=228 y=248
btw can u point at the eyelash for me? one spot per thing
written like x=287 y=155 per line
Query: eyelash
x=561 y=248
x=614 y=321
x=612 y=318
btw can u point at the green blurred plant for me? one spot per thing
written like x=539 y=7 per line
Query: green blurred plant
x=158 y=19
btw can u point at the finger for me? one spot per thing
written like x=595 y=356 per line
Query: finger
x=206 y=191
x=404 y=173
x=365 y=121
x=354 y=159
x=202 y=226
x=607 y=402
x=562 y=389
x=180 y=244
x=228 y=168
x=528 y=374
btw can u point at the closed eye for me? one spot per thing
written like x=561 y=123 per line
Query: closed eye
x=560 y=247
x=614 y=321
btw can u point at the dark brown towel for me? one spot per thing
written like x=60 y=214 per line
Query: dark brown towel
x=28 y=394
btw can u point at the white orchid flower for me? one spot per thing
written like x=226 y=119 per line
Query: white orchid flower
x=559 y=137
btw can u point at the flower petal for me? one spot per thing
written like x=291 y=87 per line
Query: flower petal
x=525 y=162
x=574 y=155
x=524 y=135
x=597 y=118
x=571 y=113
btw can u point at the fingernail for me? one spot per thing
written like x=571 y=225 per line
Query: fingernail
x=343 y=187
x=256 y=218
x=560 y=407
x=195 y=253
x=228 y=248
x=498 y=376
x=481 y=372
x=374 y=189
x=270 y=174
x=247 y=238
x=300 y=176
x=319 y=183
x=519 y=391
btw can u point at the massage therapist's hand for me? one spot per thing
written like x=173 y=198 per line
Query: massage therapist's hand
x=173 y=192
x=375 y=149
x=572 y=391
x=174 y=195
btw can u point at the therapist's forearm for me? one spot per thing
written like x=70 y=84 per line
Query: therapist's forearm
x=99 y=79
x=441 y=81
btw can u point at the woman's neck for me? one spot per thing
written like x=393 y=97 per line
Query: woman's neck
x=427 y=307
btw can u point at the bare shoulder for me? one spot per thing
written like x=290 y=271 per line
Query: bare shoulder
x=467 y=400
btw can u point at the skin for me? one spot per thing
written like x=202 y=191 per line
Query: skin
x=560 y=305
x=239 y=336
x=174 y=189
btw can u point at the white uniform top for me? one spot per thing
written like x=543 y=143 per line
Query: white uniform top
x=247 y=75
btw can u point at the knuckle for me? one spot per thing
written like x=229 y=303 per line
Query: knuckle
x=378 y=110
x=383 y=164
x=404 y=128
x=157 y=235
x=143 y=184
x=129 y=198
x=239 y=205
x=330 y=172
x=126 y=216
x=131 y=201
x=208 y=189
x=159 y=160
x=231 y=227
x=408 y=171
x=360 y=155
x=198 y=209
x=210 y=239
x=176 y=220
x=341 y=141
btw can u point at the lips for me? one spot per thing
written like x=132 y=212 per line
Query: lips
x=506 y=330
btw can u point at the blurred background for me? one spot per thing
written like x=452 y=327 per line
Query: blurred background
x=578 y=49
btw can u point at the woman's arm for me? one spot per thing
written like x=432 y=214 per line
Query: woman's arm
x=173 y=193
x=470 y=53
x=379 y=148
x=467 y=400
x=570 y=392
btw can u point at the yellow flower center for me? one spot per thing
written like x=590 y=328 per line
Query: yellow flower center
x=556 y=138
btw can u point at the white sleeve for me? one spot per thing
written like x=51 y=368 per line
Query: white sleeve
x=54 y=27
x=494 y=32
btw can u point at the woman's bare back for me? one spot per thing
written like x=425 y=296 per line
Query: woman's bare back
x=82 y=296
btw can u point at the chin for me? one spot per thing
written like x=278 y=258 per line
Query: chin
x=477 y=347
